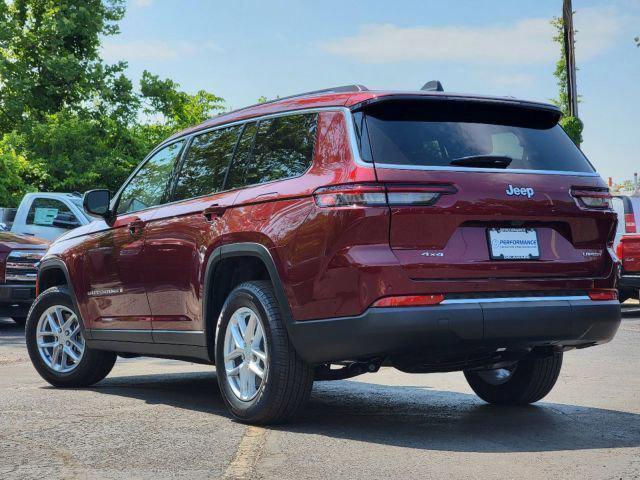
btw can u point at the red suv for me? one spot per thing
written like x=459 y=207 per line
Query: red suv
x=324 y=235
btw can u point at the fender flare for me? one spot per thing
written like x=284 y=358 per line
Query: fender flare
x=56 y=263
x=244 y=249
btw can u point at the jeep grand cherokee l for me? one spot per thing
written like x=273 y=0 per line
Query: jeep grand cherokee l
x=324 y=235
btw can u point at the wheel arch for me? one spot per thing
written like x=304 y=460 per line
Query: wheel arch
x=228 y=266
x=53 y=272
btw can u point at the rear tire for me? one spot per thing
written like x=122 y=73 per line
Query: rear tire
x=92 y=365
x=624 y=295
x=286 y=379
x=531 y=380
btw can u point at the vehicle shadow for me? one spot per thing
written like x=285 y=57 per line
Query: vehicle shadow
x=410 y=416
x=10 y=332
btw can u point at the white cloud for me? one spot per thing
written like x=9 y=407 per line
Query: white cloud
x=155 y=50
x=524 y=42
x=142 y=3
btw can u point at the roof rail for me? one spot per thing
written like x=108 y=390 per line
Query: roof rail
x=340 y=89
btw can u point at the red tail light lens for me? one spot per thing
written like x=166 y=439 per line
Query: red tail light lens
x=409 y=301
x=596 y=199
x=602 y=295
x=379 y=194
x=629 y=223
x=620 y=251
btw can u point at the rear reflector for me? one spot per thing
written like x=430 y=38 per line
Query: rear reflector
x=600 y=295
x=409 y=301
x=378 y=194
x=629 y=223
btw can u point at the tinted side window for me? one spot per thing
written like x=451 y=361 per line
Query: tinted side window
x=242 y=157
x=283 y=148
x=44 y=210
x=148 y=187
x=206 y=163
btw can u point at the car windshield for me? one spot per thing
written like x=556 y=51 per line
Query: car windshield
x=77 y=201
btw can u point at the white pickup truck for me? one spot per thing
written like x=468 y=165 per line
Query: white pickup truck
x=45 y=215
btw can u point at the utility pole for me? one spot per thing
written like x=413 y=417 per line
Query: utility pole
x=569 y=51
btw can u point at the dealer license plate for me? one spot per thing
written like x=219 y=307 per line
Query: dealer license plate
x=513 y=244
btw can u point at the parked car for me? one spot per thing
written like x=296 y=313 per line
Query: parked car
x=627 y=209
x=19 y=259
x=628 y=251
x=324 y=235
x=46 y=215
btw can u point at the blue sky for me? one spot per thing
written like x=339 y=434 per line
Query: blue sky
x=243 y=49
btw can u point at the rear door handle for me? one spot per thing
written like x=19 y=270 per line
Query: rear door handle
x=213 y=211
x=136 y=227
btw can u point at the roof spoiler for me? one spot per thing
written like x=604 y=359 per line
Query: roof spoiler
x=444 y=106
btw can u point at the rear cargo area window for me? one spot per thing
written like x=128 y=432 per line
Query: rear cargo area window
x=280 y=147
x=425 y=134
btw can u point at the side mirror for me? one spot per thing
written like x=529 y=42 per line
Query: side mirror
x=96 y=203
x=68 y=221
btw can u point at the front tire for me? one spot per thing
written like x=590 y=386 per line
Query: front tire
x=528 y=381
x=56 y=344
x=262 y=378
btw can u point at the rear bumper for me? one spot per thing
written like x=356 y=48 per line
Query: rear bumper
x=15 y=300
x=629 y=281
x=463 y=326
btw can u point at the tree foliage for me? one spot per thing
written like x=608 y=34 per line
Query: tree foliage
x=572 y=125
x=68 y=120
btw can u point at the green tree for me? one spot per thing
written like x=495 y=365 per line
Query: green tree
x=177 y=108
x=49 y=56
x=68 y=121
x=572 y=125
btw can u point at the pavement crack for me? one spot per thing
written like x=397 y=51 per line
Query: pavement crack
x=247 y=455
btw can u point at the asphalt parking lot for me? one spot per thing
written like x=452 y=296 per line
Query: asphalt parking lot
x=163 y=419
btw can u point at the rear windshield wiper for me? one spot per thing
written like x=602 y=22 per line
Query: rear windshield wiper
x=483 y=161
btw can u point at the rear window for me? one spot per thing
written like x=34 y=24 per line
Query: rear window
x=429 y=135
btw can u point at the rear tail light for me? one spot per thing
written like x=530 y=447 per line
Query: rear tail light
x=596 y=199
x=379 y=194
x=629 y=223
x=604 y=294
x=417 y=194
x=409 y=301
x=351 y=195
x=620 y=250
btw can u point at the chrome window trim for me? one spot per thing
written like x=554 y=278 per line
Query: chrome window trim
x=455 y=301
x=436 y=168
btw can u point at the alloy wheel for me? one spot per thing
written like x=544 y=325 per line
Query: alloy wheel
x=246 y=360
x=59 y=339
